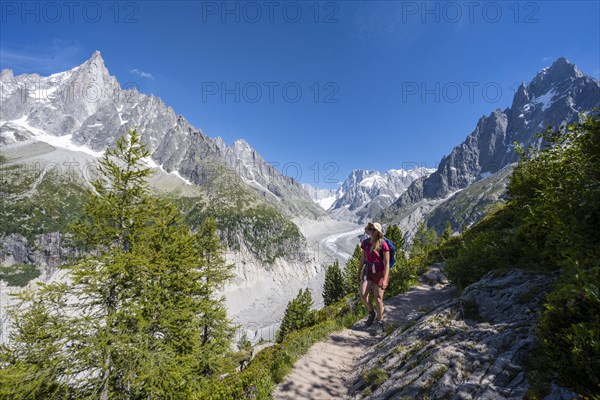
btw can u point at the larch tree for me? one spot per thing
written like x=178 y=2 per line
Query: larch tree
x=137 y=316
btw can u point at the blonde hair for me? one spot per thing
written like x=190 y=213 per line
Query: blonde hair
x=377 y=245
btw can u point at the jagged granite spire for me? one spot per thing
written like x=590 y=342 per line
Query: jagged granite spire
x=555 y=96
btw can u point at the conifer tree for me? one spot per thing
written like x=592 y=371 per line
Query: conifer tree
x=350 y=274
x=137 y=318
x=424 y=241
x=333 y=289
x=244 y=344
x=447 y=233
x=394 y=234
x=297 y=314
x=215 y=334
x=287 y=323
x=306 y=314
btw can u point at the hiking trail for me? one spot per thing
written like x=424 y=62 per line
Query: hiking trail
x=324 y=372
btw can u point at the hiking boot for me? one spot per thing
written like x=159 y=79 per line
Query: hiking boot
x=370 y=320
x=379 y=328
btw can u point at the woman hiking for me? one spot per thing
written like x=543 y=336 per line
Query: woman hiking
x=374 y=271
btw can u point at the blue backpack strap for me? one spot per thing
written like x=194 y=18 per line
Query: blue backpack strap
x=392 y=251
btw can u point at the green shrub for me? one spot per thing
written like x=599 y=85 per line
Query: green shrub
x=375 y=377
x=550 y=222
x=402 y=276
x=487 y=246
x=478 y=255
x=569 y=329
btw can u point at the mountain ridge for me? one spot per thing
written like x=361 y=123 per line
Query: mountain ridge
x=555 y=96
x=89 y=104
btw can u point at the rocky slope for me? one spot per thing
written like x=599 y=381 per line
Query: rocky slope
x=556 y=95
x=471 y=204
x=473 y=347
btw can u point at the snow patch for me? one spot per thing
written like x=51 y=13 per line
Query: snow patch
x=326 y=202
x=150 y=163
x=9 y=136
x=176 y=173
x=545 y=100
x=64 y=142
x=372 y=181
x=255 y=183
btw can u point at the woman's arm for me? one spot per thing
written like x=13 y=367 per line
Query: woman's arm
x=361 y=264
x=386 y=268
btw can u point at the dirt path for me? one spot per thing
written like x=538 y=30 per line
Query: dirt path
x=322 y=373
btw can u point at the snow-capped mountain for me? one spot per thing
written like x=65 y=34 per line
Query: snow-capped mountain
x=323 y=197
x=364 y=193
x=69 y=118
x=556 y=96
x=86 y=109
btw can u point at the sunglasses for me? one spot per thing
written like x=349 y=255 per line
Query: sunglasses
x=371 y=229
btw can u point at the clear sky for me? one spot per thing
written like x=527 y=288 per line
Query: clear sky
x=318 y=88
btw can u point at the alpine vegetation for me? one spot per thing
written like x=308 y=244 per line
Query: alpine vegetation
x=136 y=316
x=297 y=315
x=333 y=288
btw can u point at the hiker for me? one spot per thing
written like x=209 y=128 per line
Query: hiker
x=374 y=271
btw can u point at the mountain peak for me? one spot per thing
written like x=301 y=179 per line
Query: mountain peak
x=94 y=72
x=95 y=64
x=241 y=144
x=559 y=70
x=560 y=73
x=6 y=74
x=97 y=56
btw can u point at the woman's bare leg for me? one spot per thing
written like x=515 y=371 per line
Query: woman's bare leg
x=365 y=289
x=379 y=301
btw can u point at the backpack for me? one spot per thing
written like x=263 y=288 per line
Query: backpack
x=392 y=251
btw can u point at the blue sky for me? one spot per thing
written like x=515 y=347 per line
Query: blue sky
x=318 y=88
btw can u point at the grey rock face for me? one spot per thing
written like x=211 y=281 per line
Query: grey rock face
x=554 y=97
x=12 y=133
x=47 y=253
x=473 y=347
x=471 y=204
x=256 y=172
